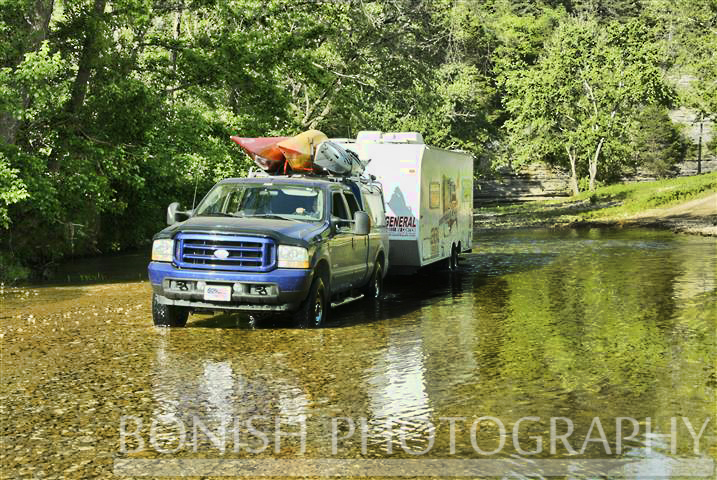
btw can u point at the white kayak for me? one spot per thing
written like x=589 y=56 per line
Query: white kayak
x=335 y=159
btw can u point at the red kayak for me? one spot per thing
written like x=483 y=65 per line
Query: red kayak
x=263 y=150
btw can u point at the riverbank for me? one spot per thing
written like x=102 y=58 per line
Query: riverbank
x=683 y=205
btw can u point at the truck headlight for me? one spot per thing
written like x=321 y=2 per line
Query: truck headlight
x=292 y=257
x=162 y=250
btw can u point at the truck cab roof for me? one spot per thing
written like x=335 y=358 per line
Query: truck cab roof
x=321 y=182
x=324 y=182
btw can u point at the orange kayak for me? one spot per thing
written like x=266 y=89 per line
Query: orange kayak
x=299 y=150
x=263 y=150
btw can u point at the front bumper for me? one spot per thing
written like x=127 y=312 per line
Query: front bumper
x=282 y=289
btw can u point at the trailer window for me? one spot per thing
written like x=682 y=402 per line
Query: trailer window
x=467 y=191
x=449 y=194
x=435 y=195
x=338 y=208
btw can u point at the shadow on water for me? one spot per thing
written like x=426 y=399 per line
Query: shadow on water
x=105 y=269
x=498 y=264
x=403 y=294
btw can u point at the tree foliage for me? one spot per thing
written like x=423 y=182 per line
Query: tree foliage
x=656 y=143
x=111 y=109
x=573 y=106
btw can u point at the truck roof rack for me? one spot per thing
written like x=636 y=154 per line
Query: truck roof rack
x=259 y=173
x=369 y=181
x=256 y=173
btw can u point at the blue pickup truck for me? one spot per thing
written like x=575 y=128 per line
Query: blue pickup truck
x=271 y=244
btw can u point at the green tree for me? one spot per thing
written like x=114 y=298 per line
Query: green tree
x=578 y=99
x=656 y=142
x=12 y=190
x=621 y=10
x=24 y=25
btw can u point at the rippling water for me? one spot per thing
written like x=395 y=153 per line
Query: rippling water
x=569 y=326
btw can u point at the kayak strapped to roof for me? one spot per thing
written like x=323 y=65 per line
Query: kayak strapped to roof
x=263 y=150
x=299 y=149
x=309 y=152
x=338 y=160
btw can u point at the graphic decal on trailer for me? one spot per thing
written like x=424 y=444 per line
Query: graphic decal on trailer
x=400 y=219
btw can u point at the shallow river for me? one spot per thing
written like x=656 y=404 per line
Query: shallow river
x=548 y=353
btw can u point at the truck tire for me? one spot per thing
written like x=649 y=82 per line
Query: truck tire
x=453 y=259
x=374 y=288
x=168 y=315
x=313 y=311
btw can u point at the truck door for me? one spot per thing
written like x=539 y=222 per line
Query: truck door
x=359 y=247
x=340 y=245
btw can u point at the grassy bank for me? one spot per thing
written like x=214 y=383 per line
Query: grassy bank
x=648 y=203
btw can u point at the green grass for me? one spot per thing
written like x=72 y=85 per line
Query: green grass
x=606 y=203
x=637 y=197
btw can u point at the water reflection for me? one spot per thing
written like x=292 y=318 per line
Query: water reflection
x=579 y=325
x=218 y=386
x=396 y=386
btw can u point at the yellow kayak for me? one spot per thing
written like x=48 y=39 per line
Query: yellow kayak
x=299 y=150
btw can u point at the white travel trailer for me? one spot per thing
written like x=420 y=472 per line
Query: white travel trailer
x=428 y=193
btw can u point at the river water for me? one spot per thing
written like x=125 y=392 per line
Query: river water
x=546 y=352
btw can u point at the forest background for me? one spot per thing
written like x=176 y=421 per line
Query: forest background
x=112 y=109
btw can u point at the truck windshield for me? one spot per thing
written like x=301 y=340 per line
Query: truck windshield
x=290 y=202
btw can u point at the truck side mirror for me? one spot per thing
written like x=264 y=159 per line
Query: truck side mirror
x=175 y=215
x=362 y=223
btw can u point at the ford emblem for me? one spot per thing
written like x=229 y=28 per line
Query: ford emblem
x=221 y=254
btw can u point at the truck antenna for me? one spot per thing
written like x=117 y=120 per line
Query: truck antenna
x=196 y=184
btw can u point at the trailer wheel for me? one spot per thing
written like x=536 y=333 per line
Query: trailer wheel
x=312 y=312
x=168 y=315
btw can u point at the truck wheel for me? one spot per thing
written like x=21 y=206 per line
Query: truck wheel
x=374 y=289
x=313 y=311
x=168 y=315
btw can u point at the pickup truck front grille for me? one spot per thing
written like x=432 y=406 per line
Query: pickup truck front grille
x=241 y=253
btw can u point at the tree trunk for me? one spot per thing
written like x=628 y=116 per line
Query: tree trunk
x=41 y=21
x=177 y=32
x=573 y=173
x=593 y=164
x=35 y=29
x=87 y=57
x=8 y=128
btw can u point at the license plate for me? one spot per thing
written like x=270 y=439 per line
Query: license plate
x=262 y=290
x=218 y=293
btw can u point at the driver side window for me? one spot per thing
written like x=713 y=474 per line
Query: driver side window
x=353 y=204
x=338 y=207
